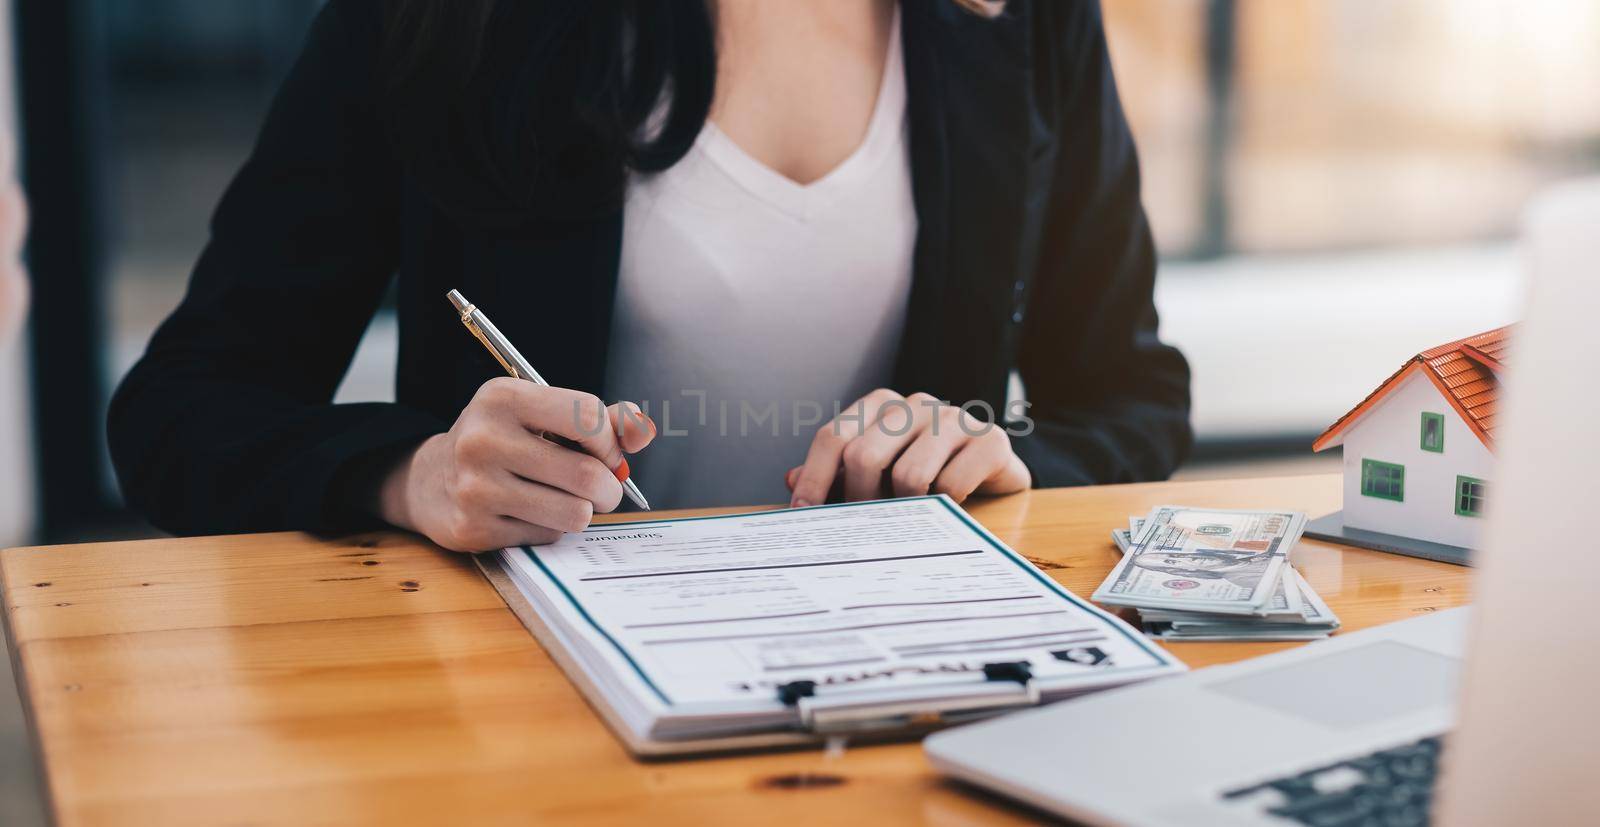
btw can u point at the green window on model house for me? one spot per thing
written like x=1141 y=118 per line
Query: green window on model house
x=1383 y=480
x=1433 y=432
x=1469 y=496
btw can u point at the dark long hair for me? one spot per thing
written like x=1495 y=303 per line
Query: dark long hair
x=507 y=110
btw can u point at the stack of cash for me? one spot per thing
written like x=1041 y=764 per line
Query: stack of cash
x=1208 y=574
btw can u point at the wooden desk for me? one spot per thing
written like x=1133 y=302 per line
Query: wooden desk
x=285 y=679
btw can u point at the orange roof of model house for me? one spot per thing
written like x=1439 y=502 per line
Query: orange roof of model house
x=1465 y=371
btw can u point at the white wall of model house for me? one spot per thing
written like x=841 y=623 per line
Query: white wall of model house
x=1392 y=432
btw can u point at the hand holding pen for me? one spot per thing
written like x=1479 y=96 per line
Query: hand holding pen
x=523 y=463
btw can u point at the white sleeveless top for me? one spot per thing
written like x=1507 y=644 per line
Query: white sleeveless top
x=750 y=308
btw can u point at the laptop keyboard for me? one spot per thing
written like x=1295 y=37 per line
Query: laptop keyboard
x=1389 y=788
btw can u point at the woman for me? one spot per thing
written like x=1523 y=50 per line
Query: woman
x=746 y=215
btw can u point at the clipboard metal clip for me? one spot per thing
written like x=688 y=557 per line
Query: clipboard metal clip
x=1006 y=686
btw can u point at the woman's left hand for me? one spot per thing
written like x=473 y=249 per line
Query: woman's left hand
x=891 y=445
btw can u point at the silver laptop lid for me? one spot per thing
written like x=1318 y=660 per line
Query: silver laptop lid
x=1529 y=738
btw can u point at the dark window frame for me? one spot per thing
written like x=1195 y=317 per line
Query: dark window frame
x=1470 y=495
x=1383 y=480
x=1438 y=419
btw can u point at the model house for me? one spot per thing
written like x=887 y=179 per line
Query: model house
x=1419 y=450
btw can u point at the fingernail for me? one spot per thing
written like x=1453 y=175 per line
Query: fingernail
x=621 y=470
x=800 y=502
x=651 y=424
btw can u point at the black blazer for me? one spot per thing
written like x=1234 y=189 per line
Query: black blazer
x=1033 y=255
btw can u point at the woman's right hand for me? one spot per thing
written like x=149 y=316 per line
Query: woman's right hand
x=494 y=480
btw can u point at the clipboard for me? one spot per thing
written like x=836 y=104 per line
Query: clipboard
x=859 y=720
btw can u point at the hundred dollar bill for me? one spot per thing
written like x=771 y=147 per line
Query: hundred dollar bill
x=1306 y=608
x=1286 y=603
x=1316 y=621
x=1123 y=537
x=1296 y=611
x=1272 y=632
x=1204 y=560
x=1314 y=609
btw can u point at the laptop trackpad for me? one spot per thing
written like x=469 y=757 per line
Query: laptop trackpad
x=1353 y=688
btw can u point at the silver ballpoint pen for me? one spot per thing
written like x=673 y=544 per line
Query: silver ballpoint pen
x=508 y=357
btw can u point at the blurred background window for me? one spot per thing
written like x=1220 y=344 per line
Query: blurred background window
x=189 y=82
x=1335 y=185
x=1350 y=124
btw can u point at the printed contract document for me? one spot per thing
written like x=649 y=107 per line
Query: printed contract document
x=689 y=628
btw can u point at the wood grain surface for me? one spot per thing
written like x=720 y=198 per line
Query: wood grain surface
x=290 y=679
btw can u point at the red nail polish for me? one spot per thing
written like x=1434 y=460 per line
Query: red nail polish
x=621 y=470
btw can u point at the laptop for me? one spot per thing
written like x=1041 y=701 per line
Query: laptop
x=1396 y=724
